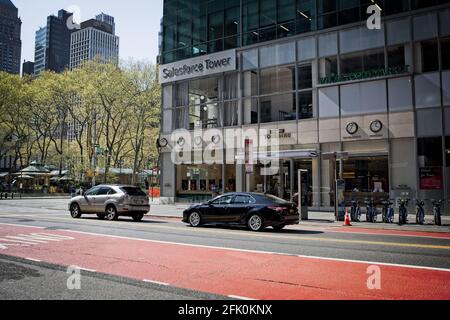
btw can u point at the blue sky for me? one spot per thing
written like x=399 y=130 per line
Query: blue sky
x=137 y=22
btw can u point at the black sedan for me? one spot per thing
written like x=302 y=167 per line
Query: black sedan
x=254 y=210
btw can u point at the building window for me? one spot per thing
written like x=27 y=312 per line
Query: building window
x=429 y=55
x=328 y=66
x=445 y=53
x=250 y=111
x=203 y=91
x=205 y=116
x=278 y=108
x=396 y=56
x=277 y=79
x=250 y=83
x=231 y=114
x=305 y=105
x=304 y=77
x=362 y=61
x=430 y=152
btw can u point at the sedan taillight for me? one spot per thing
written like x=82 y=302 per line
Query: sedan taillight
x=277 y=209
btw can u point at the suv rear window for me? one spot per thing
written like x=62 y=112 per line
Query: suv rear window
x=133 y=191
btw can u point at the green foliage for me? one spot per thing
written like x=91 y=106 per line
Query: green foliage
x=120 y=107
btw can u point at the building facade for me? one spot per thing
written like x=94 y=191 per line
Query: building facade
x=10 y=43
x=52 y=43
x=95 y=40
x=341 y=100
x=27 y=68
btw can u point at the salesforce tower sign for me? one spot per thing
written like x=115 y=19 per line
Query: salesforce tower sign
x=201 y=66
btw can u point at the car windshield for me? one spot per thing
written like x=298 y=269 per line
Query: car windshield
x=133 y=191
x=274 y=199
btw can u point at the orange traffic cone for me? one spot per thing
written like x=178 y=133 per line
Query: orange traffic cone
x=347 y=222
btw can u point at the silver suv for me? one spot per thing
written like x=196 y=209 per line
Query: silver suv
x=110 y=202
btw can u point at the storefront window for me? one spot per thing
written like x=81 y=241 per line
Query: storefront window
x=278 y=108
x=181 y=118
x=430 y=152
x=197 y=181
x=328 y=66
x=430 y=163
x=366 y=177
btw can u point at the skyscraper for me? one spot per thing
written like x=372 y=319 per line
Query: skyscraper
x=95 y=40
x=10 y=43
x=27 y=68
x=52 y=51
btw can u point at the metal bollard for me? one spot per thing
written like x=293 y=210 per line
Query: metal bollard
x=1 y=195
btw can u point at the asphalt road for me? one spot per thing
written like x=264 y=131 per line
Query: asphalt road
x=322 y=246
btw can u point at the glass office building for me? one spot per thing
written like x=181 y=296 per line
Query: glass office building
x=312 y=73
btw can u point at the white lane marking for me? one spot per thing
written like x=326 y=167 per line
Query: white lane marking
x=88 y=270
x=240 y=298
x=262 y=252
x=20 y=225
x=156 y=282
x=34 y=260
x=21 y=242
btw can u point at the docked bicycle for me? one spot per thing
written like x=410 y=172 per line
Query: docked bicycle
x=420 y=212
x=437 y=204
x=371 y=213
x=388 y=212
x=355 y=211
x=403 y=212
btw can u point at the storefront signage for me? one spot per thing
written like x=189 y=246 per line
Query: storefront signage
x=280 y=133
x=201 y=66
x=335 y=78
x=431 y=178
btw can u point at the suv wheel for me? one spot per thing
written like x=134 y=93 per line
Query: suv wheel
x=138 y=217
x=111 y=213
x=75 y=211
x=255 y=223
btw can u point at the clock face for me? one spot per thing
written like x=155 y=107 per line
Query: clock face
x=376 y=126
x=181 y=142
x=198 y=141
x=215 y=139
x=163 y=142
x=352 y=128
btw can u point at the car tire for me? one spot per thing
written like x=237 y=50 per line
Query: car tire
x=101 y=216
x=195 y=219
x=255 y=223
x=75 y=211
x=138 y=217
x=111 y=213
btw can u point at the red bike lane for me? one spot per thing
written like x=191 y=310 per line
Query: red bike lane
x=223 y=271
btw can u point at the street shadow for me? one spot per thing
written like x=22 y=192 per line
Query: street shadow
x=125 y=219
x=265 y=231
